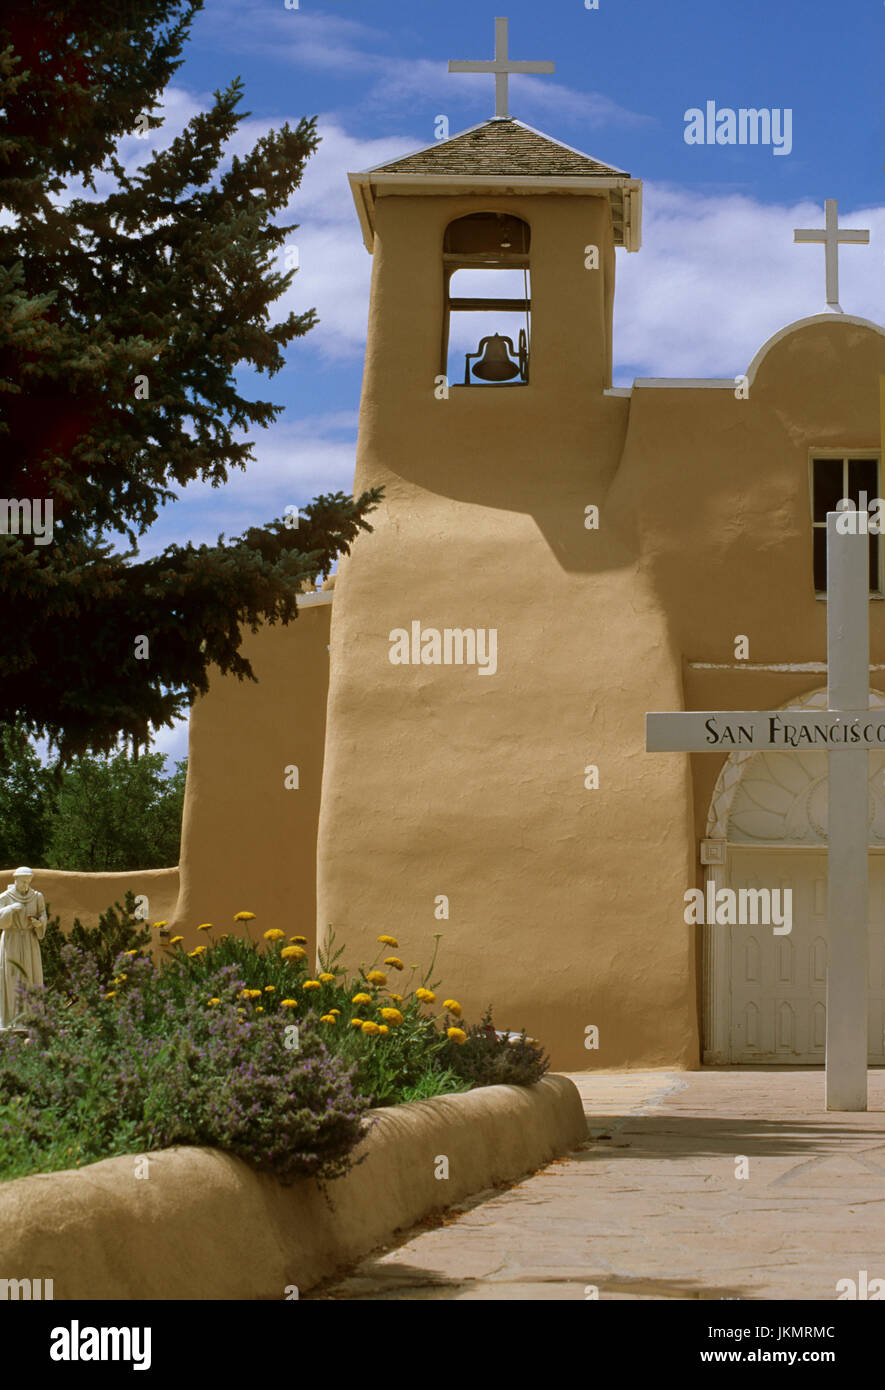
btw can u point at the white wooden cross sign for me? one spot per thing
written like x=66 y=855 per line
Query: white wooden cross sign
x=832 y=236
x=502 y=66
x=847 y=729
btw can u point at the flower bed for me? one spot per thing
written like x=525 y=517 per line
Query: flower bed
x=236 y=1045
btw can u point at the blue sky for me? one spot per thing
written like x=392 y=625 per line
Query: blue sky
x=718 y=272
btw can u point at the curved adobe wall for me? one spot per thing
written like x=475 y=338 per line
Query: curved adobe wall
x=249 y=842
x=204 y=1225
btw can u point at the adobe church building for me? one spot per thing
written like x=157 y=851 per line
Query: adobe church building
x=553 y=559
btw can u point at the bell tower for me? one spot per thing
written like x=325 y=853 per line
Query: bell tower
x=477 y=624
x=500 y=234
x=479 y=218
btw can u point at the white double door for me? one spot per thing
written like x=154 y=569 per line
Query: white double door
x=777 y=993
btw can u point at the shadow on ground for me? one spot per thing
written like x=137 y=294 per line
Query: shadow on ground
x=670 y=1136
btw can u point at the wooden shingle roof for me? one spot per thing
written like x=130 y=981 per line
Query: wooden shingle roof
x=503 y=146
x=502 y=157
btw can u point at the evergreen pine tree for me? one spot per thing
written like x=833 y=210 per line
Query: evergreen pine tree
x=169 y=278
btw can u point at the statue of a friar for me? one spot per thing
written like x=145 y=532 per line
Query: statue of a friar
x=23 y=924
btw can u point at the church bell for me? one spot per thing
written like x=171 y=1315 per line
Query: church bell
x=496 y=363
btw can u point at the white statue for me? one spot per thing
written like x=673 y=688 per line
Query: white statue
x=23 y=924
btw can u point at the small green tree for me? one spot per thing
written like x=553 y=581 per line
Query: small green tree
x=26 y=797
x=118 y=930
x=116 y=813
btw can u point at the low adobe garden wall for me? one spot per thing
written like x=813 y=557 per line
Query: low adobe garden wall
x=192 y=1223
x=70 y=894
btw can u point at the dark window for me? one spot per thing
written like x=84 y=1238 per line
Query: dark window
x=828 y=487
x=832 y=480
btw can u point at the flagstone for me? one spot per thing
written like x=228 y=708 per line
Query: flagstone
x=667 y=1218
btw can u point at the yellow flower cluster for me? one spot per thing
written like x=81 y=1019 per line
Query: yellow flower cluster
x=393 y=1016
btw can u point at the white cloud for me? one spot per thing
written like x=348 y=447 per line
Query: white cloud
x=335 y=266
x=328 y=42
x=718 y=275
x=294 y=462
x=172 y=742
x=382 y=81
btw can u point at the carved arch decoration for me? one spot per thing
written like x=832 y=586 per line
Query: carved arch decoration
x=781 y=798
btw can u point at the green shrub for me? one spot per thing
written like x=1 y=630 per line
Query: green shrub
x=111 y=1071
x=488 y=1060
x=237 y=1044
x=118 y=930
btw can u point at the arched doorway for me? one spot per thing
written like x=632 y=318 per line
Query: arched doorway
x=765 y=994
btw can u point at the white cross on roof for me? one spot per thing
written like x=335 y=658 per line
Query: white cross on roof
x=831 y=236
x=502 y=66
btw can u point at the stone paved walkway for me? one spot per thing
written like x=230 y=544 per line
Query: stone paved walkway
x=651 y=1207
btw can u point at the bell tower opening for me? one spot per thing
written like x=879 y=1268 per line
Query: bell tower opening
x=486 y=336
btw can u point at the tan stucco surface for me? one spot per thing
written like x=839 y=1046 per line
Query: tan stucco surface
x=248 y=842
x=203 y=1225
x=87 y=896
x=566 y=904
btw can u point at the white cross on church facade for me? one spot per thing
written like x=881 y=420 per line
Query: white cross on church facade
x=502 y=66
x=847 y=729
x=832 y=236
